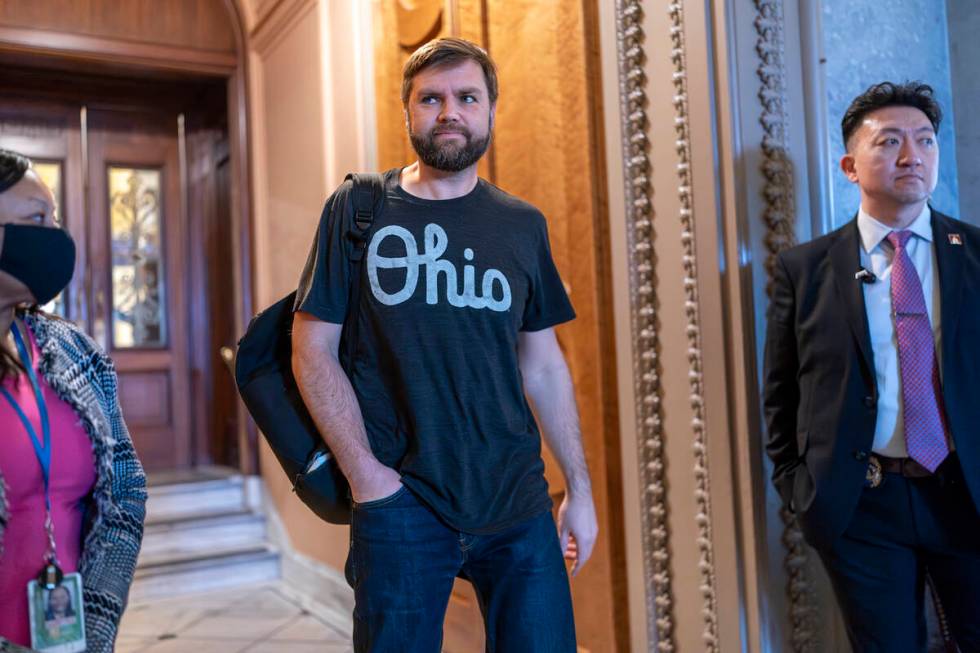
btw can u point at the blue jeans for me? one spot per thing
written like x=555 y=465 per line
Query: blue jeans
x=402 y=564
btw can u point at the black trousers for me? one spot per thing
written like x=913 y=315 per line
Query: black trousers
x=901 y=530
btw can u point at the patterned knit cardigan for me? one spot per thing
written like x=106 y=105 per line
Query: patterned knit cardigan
x=85 y=378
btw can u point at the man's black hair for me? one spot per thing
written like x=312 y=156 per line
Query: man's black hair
x=890 y=94
x=13 y=167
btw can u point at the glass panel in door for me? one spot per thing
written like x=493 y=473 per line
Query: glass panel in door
x=136 y=222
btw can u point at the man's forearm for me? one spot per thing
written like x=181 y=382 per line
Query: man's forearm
x=331 y=401
x=553 y=397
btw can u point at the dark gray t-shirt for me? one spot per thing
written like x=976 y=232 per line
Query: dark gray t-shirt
x=446 y=285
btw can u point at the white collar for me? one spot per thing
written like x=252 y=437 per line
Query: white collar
x=873 y=231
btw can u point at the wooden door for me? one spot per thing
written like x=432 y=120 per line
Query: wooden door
x=178 y=397
x=138 y=276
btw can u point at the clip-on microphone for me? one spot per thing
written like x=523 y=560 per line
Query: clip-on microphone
x=864 y=275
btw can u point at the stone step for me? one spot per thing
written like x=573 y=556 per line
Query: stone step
x=200 y=533
x=171 y=502
x=173 y=575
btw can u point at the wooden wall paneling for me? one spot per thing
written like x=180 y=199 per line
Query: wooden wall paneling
x=101 y=92
x=158 y=37
x=468 y=19
x=532 y=139
x=208 y=245
x=151 y=422
x=226 y=444
x=201 y=202
x=391 y=149
x=67 y=51
x=604 y=339
x=213 y=323
x=420 y=22
x=394 y=148
x=134 y=388
x=196 y=24
x=241 y=201
x=546 y=153
x=242 y=227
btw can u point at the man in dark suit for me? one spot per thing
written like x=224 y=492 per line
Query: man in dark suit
x=872 y=385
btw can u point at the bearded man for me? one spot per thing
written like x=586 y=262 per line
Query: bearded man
x=429 y=416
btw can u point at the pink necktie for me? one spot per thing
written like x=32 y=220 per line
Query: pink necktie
x=925 y=429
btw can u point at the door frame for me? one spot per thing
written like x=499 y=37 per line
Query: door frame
x=76 y=52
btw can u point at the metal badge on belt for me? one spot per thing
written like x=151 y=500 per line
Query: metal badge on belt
x=874 y=476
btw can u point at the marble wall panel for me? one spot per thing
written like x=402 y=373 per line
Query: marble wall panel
x=865 y=42
x=963 y=17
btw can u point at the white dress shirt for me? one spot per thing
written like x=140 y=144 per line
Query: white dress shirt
x=876 y=255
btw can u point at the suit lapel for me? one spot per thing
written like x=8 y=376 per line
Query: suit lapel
x=949 y=259
x=845 y=260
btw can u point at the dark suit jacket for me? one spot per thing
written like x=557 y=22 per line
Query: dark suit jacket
x=820 y=394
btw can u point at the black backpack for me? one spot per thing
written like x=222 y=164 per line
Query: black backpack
x=264 y=375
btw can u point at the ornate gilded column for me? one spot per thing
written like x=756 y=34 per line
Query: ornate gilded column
x=643 y=318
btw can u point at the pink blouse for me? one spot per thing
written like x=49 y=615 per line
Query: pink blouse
x=72 y=479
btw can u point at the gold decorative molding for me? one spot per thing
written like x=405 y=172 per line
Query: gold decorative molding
x=779 y=216
x=702 y=493
x=644 y=325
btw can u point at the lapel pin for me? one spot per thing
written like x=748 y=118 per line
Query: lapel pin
x=955 y=239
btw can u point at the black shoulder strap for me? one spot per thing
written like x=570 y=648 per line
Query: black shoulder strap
x=367 y=201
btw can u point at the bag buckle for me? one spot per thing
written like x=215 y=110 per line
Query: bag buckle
x=363 y=220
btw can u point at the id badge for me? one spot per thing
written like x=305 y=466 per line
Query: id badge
x=57 y=616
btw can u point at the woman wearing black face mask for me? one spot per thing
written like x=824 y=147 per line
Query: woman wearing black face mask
x=72 y=491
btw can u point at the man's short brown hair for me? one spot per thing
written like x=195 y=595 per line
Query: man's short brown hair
x=448 y=52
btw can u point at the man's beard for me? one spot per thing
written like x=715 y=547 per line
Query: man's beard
x=449 y=156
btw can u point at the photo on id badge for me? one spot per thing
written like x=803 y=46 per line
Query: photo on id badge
x=57 y=618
